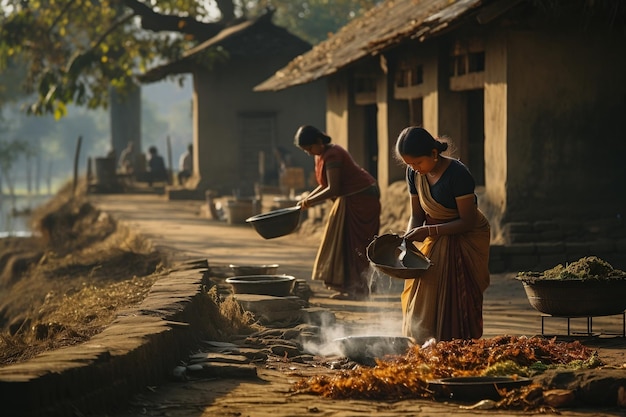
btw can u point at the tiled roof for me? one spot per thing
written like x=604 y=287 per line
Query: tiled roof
x=258 y=37
x=385 y=25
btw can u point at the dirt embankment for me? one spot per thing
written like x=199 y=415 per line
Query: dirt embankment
x=63 y=285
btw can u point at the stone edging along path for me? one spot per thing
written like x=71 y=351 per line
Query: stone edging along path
x=137 y=349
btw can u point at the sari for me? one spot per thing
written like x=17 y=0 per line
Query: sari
x=446 y=302
x=341 y=260
x=353 y=221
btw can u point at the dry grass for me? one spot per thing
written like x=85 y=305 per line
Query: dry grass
x=65 y=286
x=227 y=317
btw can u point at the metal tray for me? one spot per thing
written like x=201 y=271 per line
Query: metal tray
x=475 y=388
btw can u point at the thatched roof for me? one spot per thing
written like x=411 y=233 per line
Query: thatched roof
x=257 y=37
x=386 y=25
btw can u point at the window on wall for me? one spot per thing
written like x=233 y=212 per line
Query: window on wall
x=365 y=84
x=365 y=89
x=409 y=74
x=409 y=79
x=476 y=61
x=467 y=65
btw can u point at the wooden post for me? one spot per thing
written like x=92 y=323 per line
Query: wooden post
x=89 y=170
x=29 y=175
x=49 y=178
x=38 y=172
x=76 y=155
x=169 y=161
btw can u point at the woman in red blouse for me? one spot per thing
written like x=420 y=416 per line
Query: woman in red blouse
x=353 y=221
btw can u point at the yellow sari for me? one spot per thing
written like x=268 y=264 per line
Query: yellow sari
x=445 y=303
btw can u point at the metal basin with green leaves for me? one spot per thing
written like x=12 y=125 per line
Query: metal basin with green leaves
x=586 y=288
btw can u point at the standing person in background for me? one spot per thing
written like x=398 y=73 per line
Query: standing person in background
x=156 y=166
x=185 y=165
x=353 y=221
x=445 y=302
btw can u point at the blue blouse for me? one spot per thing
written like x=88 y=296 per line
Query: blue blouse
x=456 y=181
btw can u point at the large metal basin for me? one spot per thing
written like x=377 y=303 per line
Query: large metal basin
x=276 y=285
x=276 y=223
x=577 y=298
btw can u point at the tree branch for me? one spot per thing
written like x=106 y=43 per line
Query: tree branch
x=156 y=22
x=112 y=28
x=63 y=11
x=227 y=9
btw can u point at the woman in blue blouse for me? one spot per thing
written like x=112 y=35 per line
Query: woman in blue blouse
x=444 y=303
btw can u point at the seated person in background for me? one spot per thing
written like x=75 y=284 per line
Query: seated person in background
x=127 y=158
x=185 y=165
x=156 y=166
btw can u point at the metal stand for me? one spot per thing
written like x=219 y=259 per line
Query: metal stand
x=589 y=324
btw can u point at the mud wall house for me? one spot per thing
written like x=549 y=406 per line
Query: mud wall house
x=232 y=124
x=531 y=94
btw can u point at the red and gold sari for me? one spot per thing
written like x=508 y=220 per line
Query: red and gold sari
x=353 y=221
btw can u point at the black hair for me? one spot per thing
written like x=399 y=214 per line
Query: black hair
x=308 y=135
x=416 y=141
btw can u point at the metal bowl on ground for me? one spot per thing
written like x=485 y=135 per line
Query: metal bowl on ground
x=383 y=253
x=276 y=223
x=576 y=297
x=276 y=285
x=475 y=388
x=366 y=349
x=268 y=269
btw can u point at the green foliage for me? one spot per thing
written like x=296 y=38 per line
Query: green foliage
x=586 y=268
x=507 y=368
x=75 y=50
x=11 y=79
x=315 y=20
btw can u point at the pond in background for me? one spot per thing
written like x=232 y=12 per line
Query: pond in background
x=17 y=222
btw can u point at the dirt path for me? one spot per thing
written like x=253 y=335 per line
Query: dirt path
x=176 y=227
x=269 y=397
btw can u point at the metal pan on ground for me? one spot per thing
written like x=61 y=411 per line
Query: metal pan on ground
x=366 y=349
x=384 y=253
x=475 y=388
x=275 y=285
x=276 y=223
x=262 y=269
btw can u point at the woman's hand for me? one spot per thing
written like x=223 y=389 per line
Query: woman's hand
x=418 y=234
x=304 y=204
